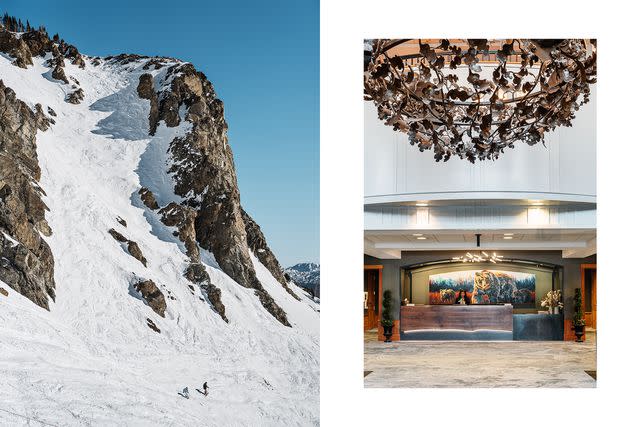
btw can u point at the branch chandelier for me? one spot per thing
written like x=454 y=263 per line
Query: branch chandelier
x=473 y=98
x=481 y=257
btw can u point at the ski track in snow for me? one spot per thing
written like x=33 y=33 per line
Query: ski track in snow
x=92 y=360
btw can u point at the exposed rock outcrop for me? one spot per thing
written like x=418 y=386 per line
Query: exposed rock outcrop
x=132 y=247
x=204 y=173
x=148 y=198
x=182 y=217
x=15 y=47
x=152 y=325
x=196 y=273
x=58 y=74
x=136 y=252
x=119 y=237
x=4 y=292
x=71 y=52
x=258 y=244
x=26 y=261
x=152 y=296
x=75 y=97
x=37 y=43
x=147 y=91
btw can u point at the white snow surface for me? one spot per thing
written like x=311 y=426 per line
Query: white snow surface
x=92 y=359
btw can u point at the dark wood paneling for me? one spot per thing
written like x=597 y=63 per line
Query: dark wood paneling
x=465 y=317
x=589 y=316
x=569 y=333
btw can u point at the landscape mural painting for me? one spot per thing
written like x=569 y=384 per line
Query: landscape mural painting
x=484 y=287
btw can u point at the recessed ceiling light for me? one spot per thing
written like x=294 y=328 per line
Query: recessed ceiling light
x=508 y=237
x=422 y=238
x=536 y=202
x=422 y=204
x=417 y=234
x=508 y=234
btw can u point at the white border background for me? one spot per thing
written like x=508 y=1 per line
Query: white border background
x=344 y=401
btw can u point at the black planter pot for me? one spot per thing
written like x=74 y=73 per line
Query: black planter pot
x=579 y=330
x=388 y=331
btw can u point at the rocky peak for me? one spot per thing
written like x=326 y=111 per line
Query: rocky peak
x=204 y=173
x=26 y=45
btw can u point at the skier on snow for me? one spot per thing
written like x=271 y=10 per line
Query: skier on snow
x=185 y=393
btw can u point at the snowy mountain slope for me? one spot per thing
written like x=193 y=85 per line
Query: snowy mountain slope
x=53 y=376
x=92 y=359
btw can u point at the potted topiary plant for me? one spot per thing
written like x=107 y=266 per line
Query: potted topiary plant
x=578 y=315
x=387 y=318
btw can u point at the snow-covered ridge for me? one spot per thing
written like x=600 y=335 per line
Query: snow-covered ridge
x=306 y=275
x=103 y=364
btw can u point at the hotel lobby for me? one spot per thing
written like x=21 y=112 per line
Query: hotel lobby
x=480 y=213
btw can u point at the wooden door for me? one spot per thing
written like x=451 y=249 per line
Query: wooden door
x=372 y=284
x=589 y=294
x=366 y=298
x=593 y=299
x=370 y=298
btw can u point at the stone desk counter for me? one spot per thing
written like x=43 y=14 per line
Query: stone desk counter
x=538 y=327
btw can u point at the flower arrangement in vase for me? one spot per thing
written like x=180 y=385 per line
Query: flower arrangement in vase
x=553 y=300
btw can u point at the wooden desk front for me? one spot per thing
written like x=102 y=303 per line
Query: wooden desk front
x=463 y=317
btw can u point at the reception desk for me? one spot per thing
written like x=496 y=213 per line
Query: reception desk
x=457 y=322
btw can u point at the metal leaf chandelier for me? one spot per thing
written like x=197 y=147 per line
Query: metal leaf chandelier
x=473 y=98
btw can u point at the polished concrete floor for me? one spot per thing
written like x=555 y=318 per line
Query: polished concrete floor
x=424 y=364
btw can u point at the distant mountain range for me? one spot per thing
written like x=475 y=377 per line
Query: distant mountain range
x=306 y=275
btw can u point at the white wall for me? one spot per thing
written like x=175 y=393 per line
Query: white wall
x=563 y=170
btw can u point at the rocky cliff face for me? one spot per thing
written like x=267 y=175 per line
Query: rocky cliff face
x=258 y=245
x=204 y=173
x=26 y=262
x=200 y=162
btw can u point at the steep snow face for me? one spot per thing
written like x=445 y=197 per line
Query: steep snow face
x=92 y=359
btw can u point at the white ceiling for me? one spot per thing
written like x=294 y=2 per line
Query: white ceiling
x=390 y=244
x=487 y=236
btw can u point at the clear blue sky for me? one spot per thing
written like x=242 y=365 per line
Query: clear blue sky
x=263 y=60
